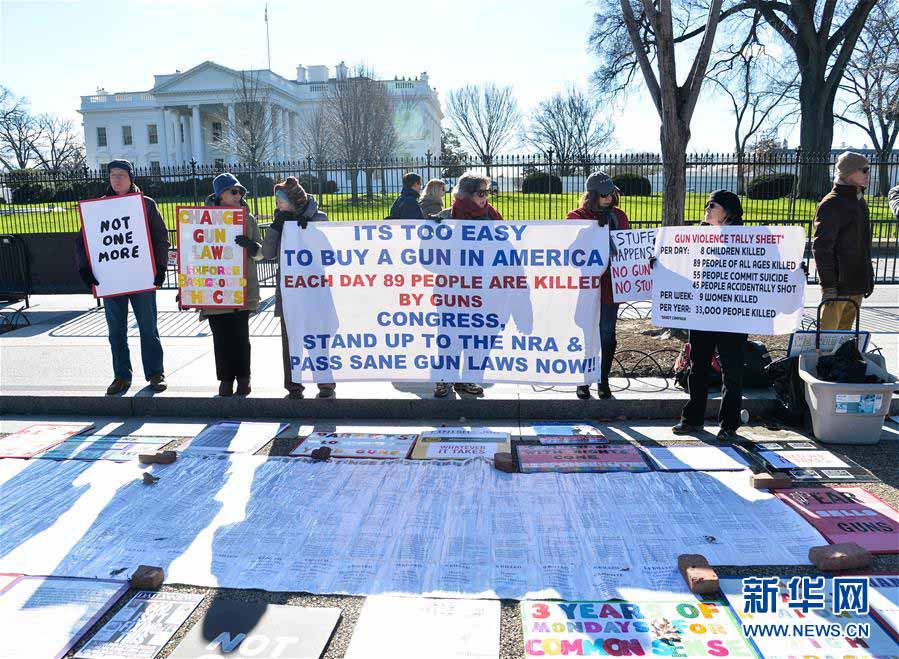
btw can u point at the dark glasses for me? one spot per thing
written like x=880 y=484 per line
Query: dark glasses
x=865 y=170
x=711 y=204
x=483 y=193
x=236 y=191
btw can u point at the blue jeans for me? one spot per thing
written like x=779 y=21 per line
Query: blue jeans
x=144 y=306
x=608 y=315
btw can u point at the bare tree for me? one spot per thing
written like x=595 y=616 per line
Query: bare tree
x=316 y=140
x=871 y=83
x=58 y=146
x=18 y=131
x=249 y=137
x=569 y=125
x=641 y=34
x=486 y=117
x=760 y=89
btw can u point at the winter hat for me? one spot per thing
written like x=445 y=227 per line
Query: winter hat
x=849 y=162
x=294 y=192
x=224 y=181
x=121 y=164
x=601 y=183
x=729 y=202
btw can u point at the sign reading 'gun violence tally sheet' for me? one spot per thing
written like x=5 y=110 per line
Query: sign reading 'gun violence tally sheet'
x=211 y=266
x=117 y=242
x=459 y=301
x=729 y=279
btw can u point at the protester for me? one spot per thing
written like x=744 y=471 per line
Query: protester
x=893 y=197
x=470 y=202
x=842 y=243
x=600 y=202
x=431 y=200
x=722 y=208
x=406 y=205
x=231 y=327
x=121 y=181
x=292 y=205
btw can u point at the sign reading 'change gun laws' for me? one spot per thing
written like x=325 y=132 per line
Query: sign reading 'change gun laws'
x=211 y=266
x=729 y=279
x=117 y=243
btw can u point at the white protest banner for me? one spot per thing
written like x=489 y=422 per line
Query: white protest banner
x=211 y=266
x=117 y=242
x=729 y=279
x=631 y=274
x=459 y=301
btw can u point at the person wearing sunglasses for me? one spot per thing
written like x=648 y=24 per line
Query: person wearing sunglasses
x=231 y=327
x=841 y=244
x=723 y=208
x=600 y=202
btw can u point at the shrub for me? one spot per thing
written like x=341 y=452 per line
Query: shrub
x=541 y=182
x=771 y=186
x=331 y=187
x=28 y=187
x=632 y=184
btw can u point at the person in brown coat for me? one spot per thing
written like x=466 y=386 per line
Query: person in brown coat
x=842 y=243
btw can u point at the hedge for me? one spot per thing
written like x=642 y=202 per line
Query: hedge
x=541 y=182
x=771 y=186
x=633 y=184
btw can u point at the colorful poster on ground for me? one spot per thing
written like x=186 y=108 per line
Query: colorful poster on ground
x=357 y=445
x=458 y=301
x=572 y=458
x=465 y=434
x=46 y=616
x=676 y=628
x=718 y=278
x=429 y=447
x=631 y=272
x=439 y=628
x=695 y=458
x=569 y=433
x=37 y=438
x=847 y=514
x=804 y=341
x=88 y=448
x=240 y=628
x=806 y=461
x=234 y=437
x=142 y=627
x=211 y=266
x=806 y=627
x=118 y=246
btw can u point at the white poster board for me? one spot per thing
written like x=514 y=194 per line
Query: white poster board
x=729 y=279
x=631 y=273
x=459 y=301
x=211 y=266
x=117 y=242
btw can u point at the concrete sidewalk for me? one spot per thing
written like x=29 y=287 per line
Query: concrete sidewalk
x=61 y=364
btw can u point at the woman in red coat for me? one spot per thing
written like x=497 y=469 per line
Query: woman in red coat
x=600 y=203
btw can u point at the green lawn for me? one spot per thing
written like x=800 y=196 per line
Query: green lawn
x=36 y=218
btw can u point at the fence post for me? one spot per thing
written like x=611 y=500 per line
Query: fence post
x=795 y=185
x=549 y=182
x=193 y=176
x=429 y=155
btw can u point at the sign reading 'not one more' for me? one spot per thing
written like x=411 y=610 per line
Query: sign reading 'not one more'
x=117 y=242
x=211 y=266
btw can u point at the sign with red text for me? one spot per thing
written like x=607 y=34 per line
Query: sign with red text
x=631 y=273
x=117 y=243
x=458 y=301
x=211 y=266
x=729 y=279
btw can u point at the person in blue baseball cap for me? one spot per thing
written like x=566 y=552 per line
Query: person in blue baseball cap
x=121 y=182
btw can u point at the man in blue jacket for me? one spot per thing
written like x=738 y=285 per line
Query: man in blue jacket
x=406 y=205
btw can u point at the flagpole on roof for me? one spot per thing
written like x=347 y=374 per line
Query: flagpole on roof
x=268 y=43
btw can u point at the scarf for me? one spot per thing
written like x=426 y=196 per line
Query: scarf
x=468 y=209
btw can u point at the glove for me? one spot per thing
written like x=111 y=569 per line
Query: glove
x=159 y=279
x=436 y=218
x=303 y=221
x=278 y=221
x=804 y=267
x=828 y=294
x=244 y=241
x=652 y=261
x=87 y=276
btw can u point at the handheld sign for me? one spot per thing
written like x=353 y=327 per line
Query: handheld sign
x=117 y=242
x=211 y=266
x=631 y=273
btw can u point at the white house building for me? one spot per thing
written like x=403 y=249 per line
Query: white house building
x=181 y=117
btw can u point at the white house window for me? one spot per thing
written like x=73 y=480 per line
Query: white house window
x=219 y=164
x=126 y=135
x=101 y=136
x=154 y=166
x=152 y=135
x=216 y=131
x=181 y=131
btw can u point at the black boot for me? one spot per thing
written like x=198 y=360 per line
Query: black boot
x=605 y=367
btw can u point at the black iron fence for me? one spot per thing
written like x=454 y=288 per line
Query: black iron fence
x=525 y=187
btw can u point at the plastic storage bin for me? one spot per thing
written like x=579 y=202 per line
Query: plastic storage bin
x=847 y=413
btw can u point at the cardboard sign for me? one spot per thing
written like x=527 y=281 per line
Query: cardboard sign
x=568 y=458
x=38 y=438
x=729 y=279
x=569 y=433
x=211 y=266
x=357 y=445
x=465 y=434
x=676 y=628
x=117 y=242
x=631 y=272
x=695 y=458
x=847 y=514
x=455 y=444
x=118 y=450
x=234 y=437
x=804 y=341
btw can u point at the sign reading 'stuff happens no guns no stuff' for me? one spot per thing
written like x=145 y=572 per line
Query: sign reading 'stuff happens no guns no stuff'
x=211 y=266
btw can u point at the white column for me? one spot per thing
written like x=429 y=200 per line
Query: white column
x=162 y=138
x=270 y=111
x=292 y=135
x=180 y=142
x=197 y=130
x=232 y=122
x=285 y=132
